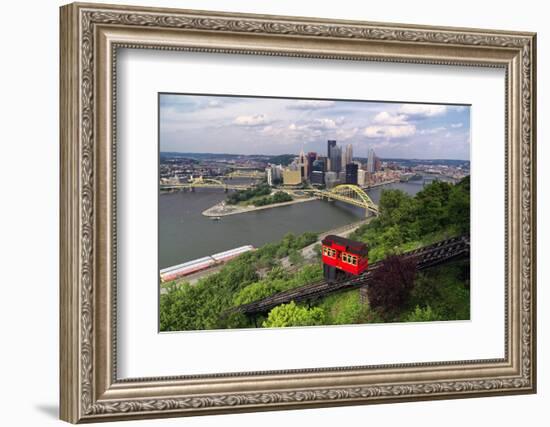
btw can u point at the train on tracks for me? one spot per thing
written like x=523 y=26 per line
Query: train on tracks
x=191 y=267
x=343 y=258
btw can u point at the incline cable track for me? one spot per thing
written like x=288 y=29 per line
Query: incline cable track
x=426 y=256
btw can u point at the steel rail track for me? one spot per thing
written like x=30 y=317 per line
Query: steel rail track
x=426 y=256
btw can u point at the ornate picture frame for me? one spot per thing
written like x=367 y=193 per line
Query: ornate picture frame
x=90 y=37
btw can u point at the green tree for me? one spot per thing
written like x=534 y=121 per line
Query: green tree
x=391 y=284
x=422 y=315
x=295 y=257
x=432 y=206
x=281 y=196
x=344 y=308
x=392 y=202
x=243 y=195
x=305 y=239
x=307 y=274
x=444 y=290
x=459 y=206
x=293 y=315
x=253 y=292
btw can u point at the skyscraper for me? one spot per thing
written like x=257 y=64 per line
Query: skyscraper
x=303 y=165
x=371 y=163
x=351 y=173
x=334 y=154
x=311 y=157
x=331 y=143
x=362 y=178
x=318 y=172
x=347 y=158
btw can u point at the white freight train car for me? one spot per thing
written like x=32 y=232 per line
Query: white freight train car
x=190 y=267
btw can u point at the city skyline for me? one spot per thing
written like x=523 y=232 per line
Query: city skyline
x=273 y=126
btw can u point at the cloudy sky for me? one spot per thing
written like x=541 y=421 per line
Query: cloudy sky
x=241 y=125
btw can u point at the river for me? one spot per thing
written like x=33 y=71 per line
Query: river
x=186 y=234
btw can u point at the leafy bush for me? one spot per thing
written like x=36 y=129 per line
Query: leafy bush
x=445 y=290
x=291 y=314
x=253 y=292
x=422 y=315
x=344 y=308
x=295 y=257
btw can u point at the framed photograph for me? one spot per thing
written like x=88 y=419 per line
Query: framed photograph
x=266 y=212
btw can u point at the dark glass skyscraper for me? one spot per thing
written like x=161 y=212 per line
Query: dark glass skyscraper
x=331 y=143
x=318 y=172
x=311 y=156
x=351 y=173
x=334 y=154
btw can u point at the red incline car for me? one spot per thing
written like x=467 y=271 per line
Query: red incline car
x=343 y=257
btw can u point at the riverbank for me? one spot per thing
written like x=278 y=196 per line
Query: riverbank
x=380 y=184
x=308 y=252
x=223 y=209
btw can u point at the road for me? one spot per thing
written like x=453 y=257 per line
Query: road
x=309 y=251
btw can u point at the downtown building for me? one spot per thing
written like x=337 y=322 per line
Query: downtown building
x=374 y=164
x=352 y=173
x=362 y=178
x=292 y=177
x=347 y=157
x=303 y=165
x=334 y=155
x=274 y=174
x=311 y=157
x=318 y=169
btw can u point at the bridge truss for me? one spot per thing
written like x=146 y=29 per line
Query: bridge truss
x=350 y=194
x=201 y=182
x=246 y=174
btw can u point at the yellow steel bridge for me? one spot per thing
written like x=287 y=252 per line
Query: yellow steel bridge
x=201 y=182
x=253 y=174
x=350 y=194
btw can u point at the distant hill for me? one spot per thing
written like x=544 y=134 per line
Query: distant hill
x=414 y=162
x=285 y=159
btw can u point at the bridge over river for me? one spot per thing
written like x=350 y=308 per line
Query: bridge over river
x=346 y=193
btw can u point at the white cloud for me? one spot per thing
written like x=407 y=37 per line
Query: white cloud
x=267 y=129
x=389 y=131
x=214 y=103
x=457 y=125
x=311 y=104
x=270 y=130
x=295 y=127
x=423 y=110
x=255 y=120
x=432 y=131
x=385 y=118
x=344 y=134
x=324 y=124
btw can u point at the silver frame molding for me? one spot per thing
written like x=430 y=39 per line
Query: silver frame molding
x=90 y=37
